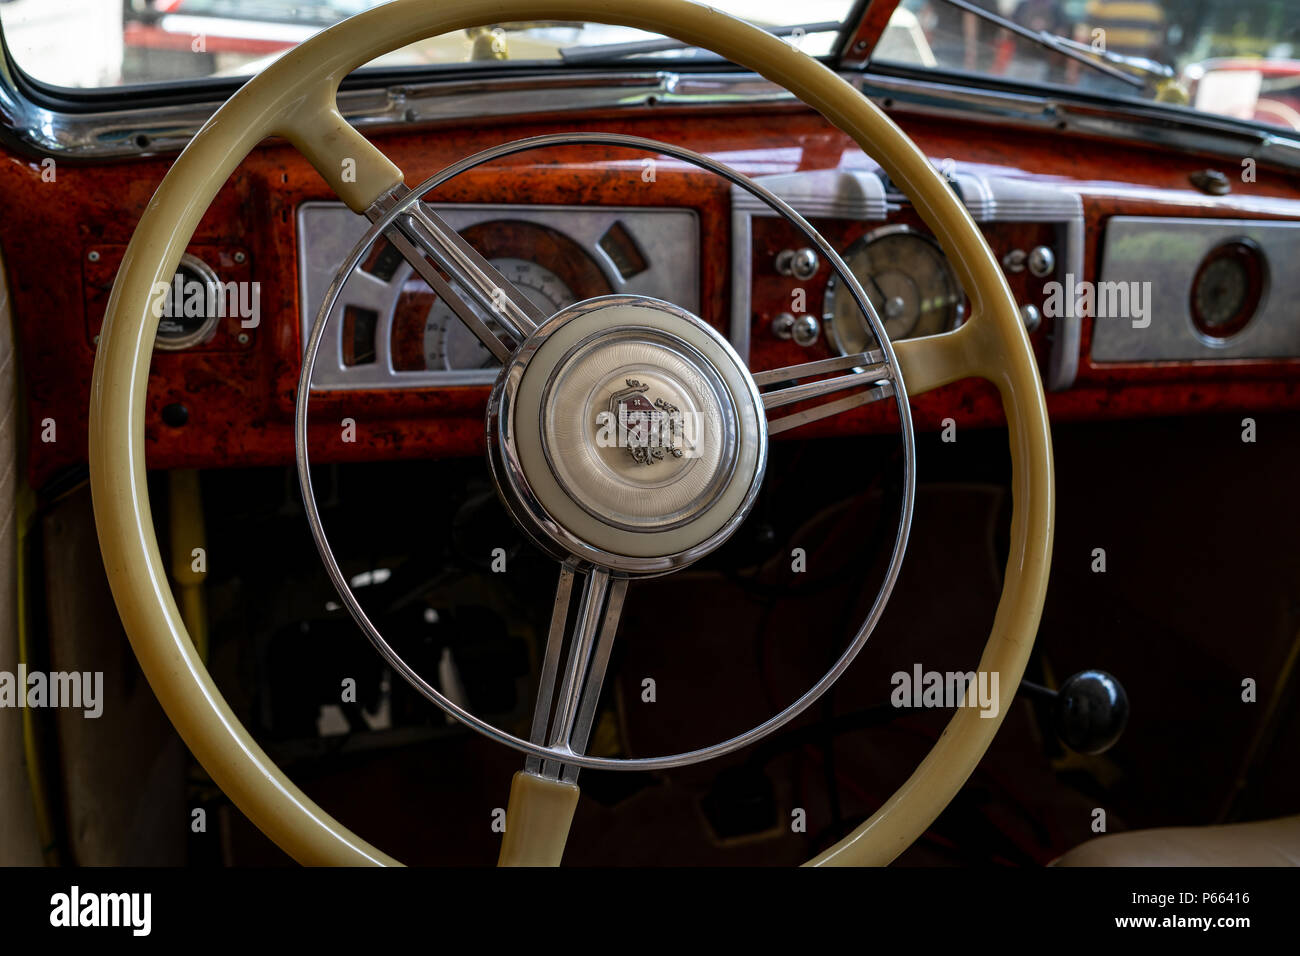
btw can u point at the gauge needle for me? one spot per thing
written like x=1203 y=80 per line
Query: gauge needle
x=884 y=307
x=879 y=291
x=890 y=308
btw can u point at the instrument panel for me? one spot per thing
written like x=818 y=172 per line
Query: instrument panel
x=790 y=306
x=390 y=330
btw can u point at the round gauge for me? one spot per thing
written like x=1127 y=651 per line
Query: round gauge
x=908 y=281
x=1227 y=289
x=449 y=345
x=547 y=266
x=189 y=314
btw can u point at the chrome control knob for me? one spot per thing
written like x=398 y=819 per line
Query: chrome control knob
x=799 y=263
x=803 y=330
x=1041 y=261
x=806 y=330
x=1032 y=318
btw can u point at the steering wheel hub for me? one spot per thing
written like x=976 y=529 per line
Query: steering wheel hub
x=628 y=434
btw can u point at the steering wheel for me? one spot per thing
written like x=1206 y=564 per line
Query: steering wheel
x=610 y=511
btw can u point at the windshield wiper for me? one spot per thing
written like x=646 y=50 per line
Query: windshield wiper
x=618 y=51
x=1074 y=50
x=1140 y=64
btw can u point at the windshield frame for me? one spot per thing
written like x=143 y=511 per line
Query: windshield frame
x=203 y=89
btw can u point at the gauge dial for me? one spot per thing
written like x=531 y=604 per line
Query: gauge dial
x=449 y=345
x=907 y=280
x=1227 y=289
x=547 y=266
x=189 y=314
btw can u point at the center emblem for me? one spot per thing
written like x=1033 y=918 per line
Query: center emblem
x=649 y=430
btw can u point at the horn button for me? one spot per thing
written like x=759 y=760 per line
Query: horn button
x=627 y=433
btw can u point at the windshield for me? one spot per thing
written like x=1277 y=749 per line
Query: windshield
x=1238 y=58
x=105 y=43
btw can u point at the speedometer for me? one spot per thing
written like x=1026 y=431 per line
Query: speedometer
x=547 y=266
x=906 y=278
x=449 y=345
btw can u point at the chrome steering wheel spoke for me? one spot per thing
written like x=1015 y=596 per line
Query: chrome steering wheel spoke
x=564 y=724
x=867 y=370
x=451 y=266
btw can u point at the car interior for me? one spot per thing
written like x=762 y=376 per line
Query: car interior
x=649 y=434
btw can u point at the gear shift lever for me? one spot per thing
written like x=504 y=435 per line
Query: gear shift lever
x=1090 y=710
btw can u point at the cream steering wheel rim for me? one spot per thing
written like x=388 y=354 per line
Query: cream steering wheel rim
x=295 y=98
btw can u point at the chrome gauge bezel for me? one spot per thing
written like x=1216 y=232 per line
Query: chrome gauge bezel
x=833 y=282
x=1255 y=279
x=208 y=328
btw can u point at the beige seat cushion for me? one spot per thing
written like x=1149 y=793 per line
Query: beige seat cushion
x=1265 y=843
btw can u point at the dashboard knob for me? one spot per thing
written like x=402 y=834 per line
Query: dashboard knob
x=806 y=330
x=1042 y=261
x=800 y=263
x=802 y=329
x=1032 y=318
x=783 y=326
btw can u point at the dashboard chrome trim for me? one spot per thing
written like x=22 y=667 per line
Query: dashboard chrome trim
x=1165 y=255
x=823 y=193
x=161 y=130
x=1157 y=124
x=668 y=237
x=1001 y=199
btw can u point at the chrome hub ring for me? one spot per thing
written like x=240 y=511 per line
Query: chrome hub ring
x=628 y=433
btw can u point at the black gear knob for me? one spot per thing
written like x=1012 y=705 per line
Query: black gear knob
x=1091 y=711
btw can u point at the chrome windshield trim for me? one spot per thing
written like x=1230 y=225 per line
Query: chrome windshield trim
x=167 y=129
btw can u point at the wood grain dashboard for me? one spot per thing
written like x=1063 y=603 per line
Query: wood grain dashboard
x=230 y=400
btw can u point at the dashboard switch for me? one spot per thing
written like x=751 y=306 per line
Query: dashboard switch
x=1042 y=261
x=1032 y=318
x=799 y=263
x=803 y=330
x=806 y=330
